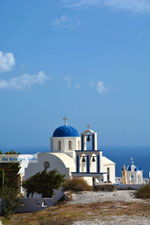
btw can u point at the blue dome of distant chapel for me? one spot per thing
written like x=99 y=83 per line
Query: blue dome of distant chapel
x=65 y=131
x=132 y=168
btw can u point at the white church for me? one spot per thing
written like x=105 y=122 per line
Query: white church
x=73 y=155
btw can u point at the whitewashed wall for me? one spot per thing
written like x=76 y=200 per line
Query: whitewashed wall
x=37 y=204
x=137 y=177
x=106 y=163
x=59 y=161
x=64 y=143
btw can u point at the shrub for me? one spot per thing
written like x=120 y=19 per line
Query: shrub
x=43 y=183
x=9 y=201
x=105 y=187
x=143 y=192
x=76 y=184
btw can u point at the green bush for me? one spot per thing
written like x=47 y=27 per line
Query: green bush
x=9 y=201
x=143 y=192
x=43 y=183
x=76 y=184
x=104 y=187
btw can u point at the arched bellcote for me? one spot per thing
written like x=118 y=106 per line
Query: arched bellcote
x=89 y=140
x=89 y=158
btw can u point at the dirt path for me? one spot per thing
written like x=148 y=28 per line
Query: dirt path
x=93 y=197
x=116 y=220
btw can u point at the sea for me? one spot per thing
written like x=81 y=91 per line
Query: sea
x=121 y=155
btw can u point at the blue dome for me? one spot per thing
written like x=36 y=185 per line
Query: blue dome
x=129 y=168
x=132 y=168
x=65 y=131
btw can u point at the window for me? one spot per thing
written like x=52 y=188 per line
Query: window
x=70 y=145
x=108 y=174
x=132 y=179
x=59 y=145
x=46 y=164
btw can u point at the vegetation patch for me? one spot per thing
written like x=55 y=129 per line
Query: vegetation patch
x=67 y=214
x=76 y=185
x=9 y=201
x=105 y=187
x=143 y=192
x=43 y=183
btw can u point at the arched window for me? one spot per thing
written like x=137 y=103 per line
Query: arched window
x=132 y=179
x=70 y=145
x=59 y=145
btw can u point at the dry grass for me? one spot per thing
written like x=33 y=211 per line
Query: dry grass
x=66 y=214
x=76 y=185
x=143 y=192
x=105 y=187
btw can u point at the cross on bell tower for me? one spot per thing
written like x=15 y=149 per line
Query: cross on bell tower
x=88 y=126
x=66 y=120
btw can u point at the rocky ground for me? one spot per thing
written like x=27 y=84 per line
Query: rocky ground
x=117 y=220
x=90 y=208
x=115 y=196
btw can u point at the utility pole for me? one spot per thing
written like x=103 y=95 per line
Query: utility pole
x=3 y=180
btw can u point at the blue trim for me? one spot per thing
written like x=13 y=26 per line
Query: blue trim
x=93 y=140
x=98 y=163
x=88 y=164
x=82 y=142
x=88 y=173
x=77 y=164
x=88 y=151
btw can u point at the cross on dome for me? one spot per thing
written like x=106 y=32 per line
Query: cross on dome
x=132 y=162
x=66 y=120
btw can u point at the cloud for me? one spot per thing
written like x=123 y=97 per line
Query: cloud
x=65 y=22
x=70 y=83
x=68 y=80
x=80 y=3
x=25 y=81
x=134 y=6
x=100 y=86
x=77 y=86
x=7 y=61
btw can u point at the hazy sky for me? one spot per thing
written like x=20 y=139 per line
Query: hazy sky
x=87 y=59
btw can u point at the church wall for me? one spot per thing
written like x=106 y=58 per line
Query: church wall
x=111 y=172
x=135 y=177
x=55 y=163
x=96 y=141
x=38 y=203
x=64 y=143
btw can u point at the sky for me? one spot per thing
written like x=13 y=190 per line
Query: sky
x=86 y=59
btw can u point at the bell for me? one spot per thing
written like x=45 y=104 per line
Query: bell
x=93 y=159
x=88 y=138
x=83 y=159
